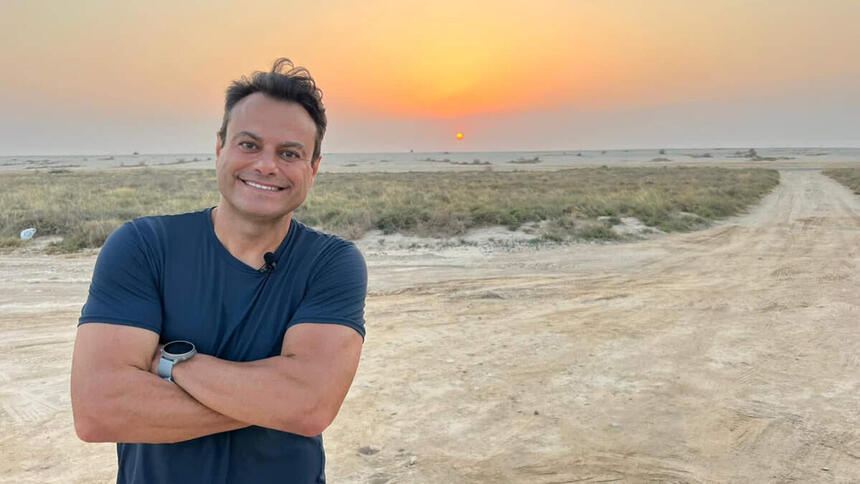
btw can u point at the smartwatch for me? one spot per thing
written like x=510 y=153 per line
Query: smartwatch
x=172 y=353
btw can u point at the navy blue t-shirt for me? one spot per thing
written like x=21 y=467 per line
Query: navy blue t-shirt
x=171 y=275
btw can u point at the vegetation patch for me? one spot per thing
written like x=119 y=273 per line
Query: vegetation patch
x=752 y=155
x=526 y=161
x=476 y=161
x=850 y=177
x=578 y=204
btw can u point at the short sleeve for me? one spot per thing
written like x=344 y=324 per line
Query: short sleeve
x=336 y=290
x=124 y=289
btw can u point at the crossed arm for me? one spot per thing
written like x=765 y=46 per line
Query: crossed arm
x=116 y=397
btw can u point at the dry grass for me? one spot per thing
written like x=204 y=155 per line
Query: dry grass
x=850 y=177
x=85 y=207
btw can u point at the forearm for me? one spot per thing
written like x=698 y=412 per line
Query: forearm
x=274 y=392
x=132 y=405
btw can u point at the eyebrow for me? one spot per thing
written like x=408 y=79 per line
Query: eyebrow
x=248 y=134
x=285 y=144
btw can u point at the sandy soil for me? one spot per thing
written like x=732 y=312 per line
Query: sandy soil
x=726 y=355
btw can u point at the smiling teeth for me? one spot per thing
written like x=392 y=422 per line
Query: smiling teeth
x=264 y=187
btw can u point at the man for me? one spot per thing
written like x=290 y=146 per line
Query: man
x=263 y=318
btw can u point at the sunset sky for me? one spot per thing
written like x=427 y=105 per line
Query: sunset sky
x=114 y=77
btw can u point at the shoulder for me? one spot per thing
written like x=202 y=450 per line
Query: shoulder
x=325 y=249
x=157 y=232
x=320 y=241
x=159 y=226
x=149 y=237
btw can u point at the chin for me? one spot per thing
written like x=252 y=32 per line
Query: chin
x=253 y=210
x=266 y=215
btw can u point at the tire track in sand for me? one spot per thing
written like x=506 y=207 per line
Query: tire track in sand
x=721 y=355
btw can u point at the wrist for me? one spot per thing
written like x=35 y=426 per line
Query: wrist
x=173 y=354
x=182 y=371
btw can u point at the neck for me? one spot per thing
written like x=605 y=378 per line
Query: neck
x=247 y=240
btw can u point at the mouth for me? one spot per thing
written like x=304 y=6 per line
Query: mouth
x=262 y=186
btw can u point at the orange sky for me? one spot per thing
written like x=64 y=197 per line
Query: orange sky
x=401 y=74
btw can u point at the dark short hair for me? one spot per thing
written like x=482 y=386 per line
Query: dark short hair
x=284 y=82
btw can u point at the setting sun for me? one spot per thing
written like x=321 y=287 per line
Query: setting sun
x=459 y=136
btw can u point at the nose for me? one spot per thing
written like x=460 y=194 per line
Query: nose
x=266 y=163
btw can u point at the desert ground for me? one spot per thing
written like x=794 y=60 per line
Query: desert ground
x=730 y=354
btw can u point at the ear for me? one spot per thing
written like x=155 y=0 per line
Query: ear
x=317 y=166
x=218 y=145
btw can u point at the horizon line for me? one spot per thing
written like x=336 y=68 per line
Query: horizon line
x=209 y=153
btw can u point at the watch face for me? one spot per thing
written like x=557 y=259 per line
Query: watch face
x=178 y=347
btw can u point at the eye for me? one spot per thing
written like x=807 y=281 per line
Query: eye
x=248 y=145
x=290 y=155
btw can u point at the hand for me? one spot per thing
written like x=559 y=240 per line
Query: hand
x=153 y=368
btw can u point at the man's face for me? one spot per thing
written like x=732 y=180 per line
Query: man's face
x=264 y=167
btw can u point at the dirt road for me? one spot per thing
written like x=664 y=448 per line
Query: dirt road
x=731 y=354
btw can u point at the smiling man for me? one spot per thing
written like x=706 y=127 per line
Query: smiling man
x=216 y=346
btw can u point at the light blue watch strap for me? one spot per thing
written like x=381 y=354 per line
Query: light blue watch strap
x=165 y=368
